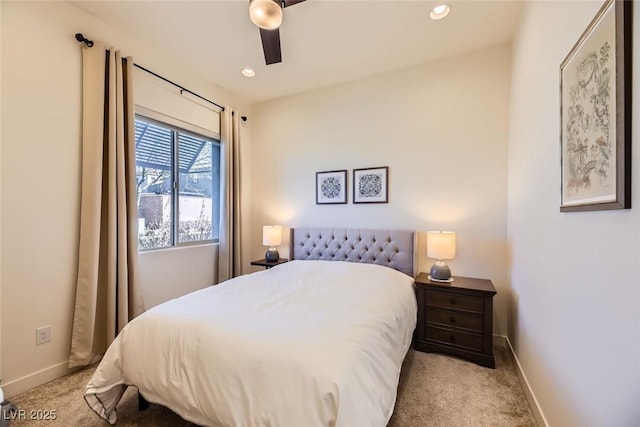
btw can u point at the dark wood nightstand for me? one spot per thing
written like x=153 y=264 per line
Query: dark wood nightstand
x=456 y=318
x=268 y=264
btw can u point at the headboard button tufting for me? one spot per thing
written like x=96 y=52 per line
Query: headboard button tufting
x=355 y=245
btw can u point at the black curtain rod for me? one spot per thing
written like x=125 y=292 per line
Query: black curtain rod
x=82 y=39
x=182 y=89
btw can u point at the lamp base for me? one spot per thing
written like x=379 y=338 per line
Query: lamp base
x=272 y=255
x=440 y=271
x=441 y=281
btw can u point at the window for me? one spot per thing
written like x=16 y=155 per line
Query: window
x=178 y=185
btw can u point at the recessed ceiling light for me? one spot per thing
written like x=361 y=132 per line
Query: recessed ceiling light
x=248 y=72
x=439 y=12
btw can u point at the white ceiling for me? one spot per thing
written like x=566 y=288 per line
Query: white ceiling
x=324 y=42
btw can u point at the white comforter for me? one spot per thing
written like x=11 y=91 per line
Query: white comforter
x=307 y=343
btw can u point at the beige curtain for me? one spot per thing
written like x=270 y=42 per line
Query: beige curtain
x=106 y=293
x=229 y=255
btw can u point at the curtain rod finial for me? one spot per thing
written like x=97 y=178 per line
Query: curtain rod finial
x=82 y=39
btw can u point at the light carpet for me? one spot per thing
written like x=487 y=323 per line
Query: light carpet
x=435 y=390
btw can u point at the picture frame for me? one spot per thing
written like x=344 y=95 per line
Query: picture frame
x=595 y=114
x=331 y=187
x=370 y=185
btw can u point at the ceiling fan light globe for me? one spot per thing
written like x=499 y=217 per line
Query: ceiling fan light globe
x=265 y=14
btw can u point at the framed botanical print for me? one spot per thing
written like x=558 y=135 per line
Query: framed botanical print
x=331 y=187
x=370 y=185
x=595 y=114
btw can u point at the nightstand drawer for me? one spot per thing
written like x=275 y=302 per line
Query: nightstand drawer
x=458 y=302
x=457 y=338
x=457 y=319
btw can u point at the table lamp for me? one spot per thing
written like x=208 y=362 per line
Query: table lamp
x=271 y=237
x=441 y=245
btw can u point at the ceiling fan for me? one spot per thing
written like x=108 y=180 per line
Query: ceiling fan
x=267 y=15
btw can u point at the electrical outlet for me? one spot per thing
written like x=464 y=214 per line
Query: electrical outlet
x=43 y=334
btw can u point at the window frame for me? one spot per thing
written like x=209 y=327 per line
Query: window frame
x=185 y=128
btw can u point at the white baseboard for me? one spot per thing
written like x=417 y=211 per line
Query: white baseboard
x=17 y=386
x=499 y=340
x=526 y=387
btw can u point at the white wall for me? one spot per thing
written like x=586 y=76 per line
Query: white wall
x=170 y=273
x=441 y=128
x=40 y=176
x=574 y=319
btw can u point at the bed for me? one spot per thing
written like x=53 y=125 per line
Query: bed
x=311 y=342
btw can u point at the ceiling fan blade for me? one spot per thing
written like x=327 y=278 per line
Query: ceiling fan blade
x=271 y=46
x=288 y=3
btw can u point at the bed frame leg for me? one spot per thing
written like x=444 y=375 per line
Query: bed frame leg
x=142 y=402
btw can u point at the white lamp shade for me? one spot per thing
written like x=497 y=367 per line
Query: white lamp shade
x=271 y=235
x=441 y=244
x=266 y=14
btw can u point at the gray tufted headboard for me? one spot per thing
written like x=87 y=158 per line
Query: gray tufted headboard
x=391 y=248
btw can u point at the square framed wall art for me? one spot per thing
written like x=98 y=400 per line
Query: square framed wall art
x=370 y=185
x=331 y=187
x=595 y=114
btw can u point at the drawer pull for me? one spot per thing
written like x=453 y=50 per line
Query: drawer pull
x=452 y=337
x=452 y=300
x=452 y=319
